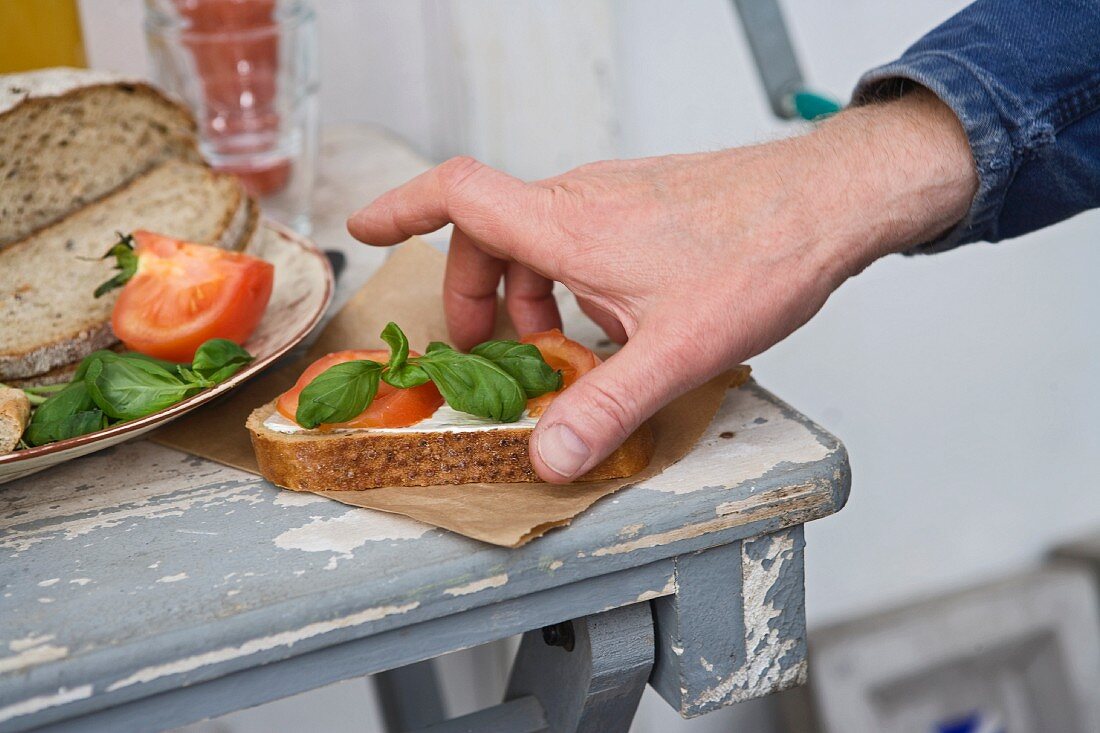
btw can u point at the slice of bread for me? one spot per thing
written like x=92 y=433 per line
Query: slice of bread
x=15 y=411
x=49 y=315
x=71 y=136
x=359 y=460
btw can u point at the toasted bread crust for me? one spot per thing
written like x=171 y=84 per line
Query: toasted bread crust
x=368 y=460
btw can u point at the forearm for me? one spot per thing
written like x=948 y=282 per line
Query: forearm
x=902 y=173
x=1022 y=78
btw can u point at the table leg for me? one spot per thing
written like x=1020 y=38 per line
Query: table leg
x=409 y=696
x=736 y=627
x=588 y=673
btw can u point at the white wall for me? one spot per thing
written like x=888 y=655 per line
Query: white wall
x=963 y=384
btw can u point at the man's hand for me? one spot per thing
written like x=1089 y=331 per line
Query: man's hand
x=695 y=262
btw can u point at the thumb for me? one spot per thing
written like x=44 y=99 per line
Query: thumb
x=588 y=421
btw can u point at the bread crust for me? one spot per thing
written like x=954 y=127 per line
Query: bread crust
x=41 y=86
x=367 y=460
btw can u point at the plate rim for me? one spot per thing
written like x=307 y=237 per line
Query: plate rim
x=309 y=247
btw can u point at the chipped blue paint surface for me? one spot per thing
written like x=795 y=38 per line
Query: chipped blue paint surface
x=140 y=569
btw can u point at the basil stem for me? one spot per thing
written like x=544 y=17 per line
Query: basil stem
x=126 y=262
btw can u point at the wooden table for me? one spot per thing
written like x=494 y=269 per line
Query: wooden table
x=142 y=588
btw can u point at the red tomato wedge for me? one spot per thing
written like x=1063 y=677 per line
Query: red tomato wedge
x=561 y=353
x=392 y=407
x=184 y=294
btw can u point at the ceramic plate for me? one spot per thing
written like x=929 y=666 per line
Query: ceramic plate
x=301 y=293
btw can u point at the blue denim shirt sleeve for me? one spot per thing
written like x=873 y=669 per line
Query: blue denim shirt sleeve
x=1023 y=77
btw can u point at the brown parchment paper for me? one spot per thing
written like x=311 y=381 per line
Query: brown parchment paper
x=407 y=289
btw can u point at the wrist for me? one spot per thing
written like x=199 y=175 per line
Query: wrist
x=901 y=173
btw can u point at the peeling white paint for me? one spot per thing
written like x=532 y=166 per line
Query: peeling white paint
x=556 y=565
x=231 y=593
x=797 y=506
x=781 y=499
x=125 y=509
x=668 y=589
x=297 y=498
x=43 y=702
x=80 y=581
x=35 y=655
x=18 y=645
x=677 y=650
x=494 y=581
x=172 y=578
x=631 y=530
x=706 y=665
x=259 y=644
x=48 y=583
x=342 y=535
x=754 y=450
x=45 y=600
x=761 y=674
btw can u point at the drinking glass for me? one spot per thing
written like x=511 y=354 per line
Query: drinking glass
x=248 y=71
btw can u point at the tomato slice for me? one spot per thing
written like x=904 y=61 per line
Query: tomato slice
x=391 y=408
x=572 y=358
x=184 y=294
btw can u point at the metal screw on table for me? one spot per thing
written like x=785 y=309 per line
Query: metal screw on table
x=559 y=635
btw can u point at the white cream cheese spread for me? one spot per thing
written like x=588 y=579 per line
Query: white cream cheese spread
x=442 y=420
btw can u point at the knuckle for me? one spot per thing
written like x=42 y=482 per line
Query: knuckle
x=613 y=407
x=455 y=171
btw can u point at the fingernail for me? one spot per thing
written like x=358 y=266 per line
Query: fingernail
x=562 y=450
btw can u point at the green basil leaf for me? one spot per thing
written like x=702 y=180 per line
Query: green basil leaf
x=225 y=373
x=45 y=424
x=398 y=343
x=524 y=362
x=473 y=384
x=127 y=388
x=82 y=368
x=169 y=366
x=438 y=346
x=214 y=356
x=164 y=363
x=81 y=423
x=408 y=375
x=339 y=393
x=399 y=371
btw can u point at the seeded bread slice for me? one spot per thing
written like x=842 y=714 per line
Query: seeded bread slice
x=353 y=461
x=49 y=315
x=71 y=136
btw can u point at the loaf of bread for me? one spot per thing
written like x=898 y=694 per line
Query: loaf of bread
x=49 y=316
x=365 y=459
x=71 y=136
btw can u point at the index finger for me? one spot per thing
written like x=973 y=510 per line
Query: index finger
x=462 y=191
